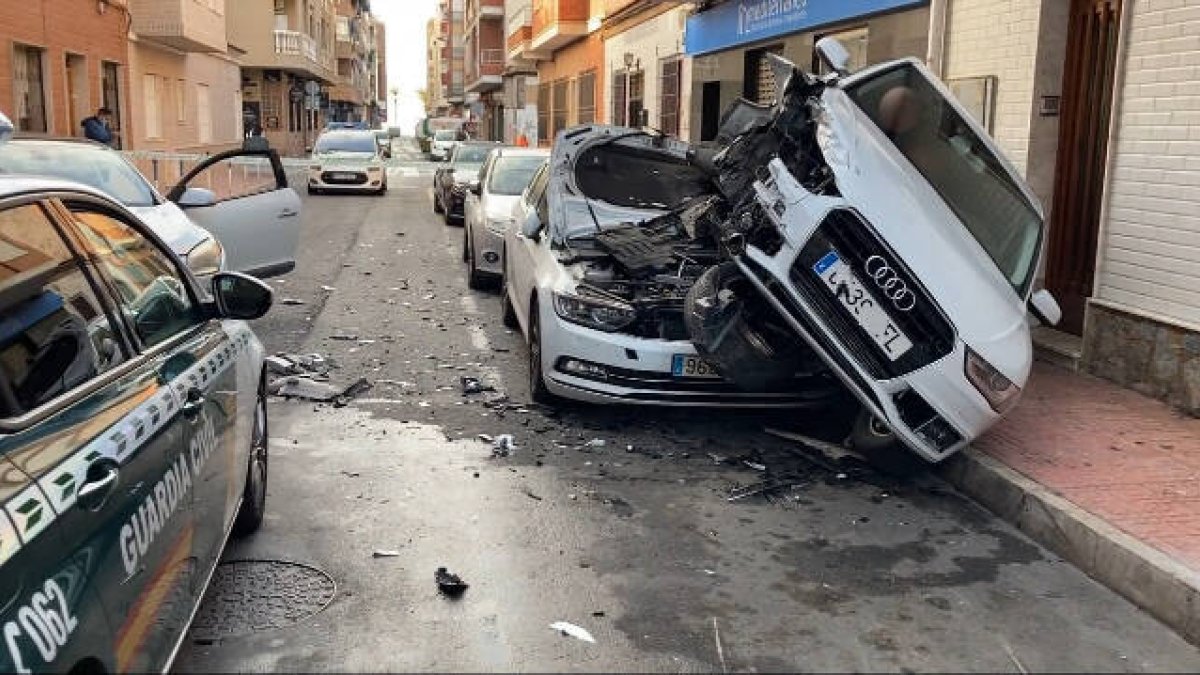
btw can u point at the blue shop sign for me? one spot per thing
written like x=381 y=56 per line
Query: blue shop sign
x=739 y=22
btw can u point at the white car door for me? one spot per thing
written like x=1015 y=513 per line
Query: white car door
x=242 y=197
x=524 y=251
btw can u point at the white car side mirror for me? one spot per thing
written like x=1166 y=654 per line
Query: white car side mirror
x=833 y=53
x=195 y=197
x=6 y=128
x=1045 y=308
x=531 y=226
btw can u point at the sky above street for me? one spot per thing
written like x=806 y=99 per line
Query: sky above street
x=405 y=21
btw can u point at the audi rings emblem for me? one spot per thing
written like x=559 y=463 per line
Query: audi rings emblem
x=890 y=283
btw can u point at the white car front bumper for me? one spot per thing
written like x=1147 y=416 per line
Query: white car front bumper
x=348 y=179
x=638 y=370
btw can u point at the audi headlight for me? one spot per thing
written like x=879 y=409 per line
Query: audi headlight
x=601 y=314
x=999 y=391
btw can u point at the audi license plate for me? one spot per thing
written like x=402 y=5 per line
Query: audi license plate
x=861 y=305
x=690 y=365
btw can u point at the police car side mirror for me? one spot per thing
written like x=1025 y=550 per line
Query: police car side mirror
x=240 y=296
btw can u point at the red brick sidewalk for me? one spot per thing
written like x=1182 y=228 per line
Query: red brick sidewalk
x=1128 y=459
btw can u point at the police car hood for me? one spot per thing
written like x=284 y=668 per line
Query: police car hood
x=875 y=179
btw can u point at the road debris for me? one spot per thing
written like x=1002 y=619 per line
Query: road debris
x=755 y=465
x=570 y=629
x=503 y=445
x=530 y=493
x=473 y=385
x=291 y=301
x=451 y=585
x=765 y=488
x=385 y=553
x=344 y=337
x=310 y=388
x=596 y=443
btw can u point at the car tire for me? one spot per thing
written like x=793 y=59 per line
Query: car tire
x=465 y=255
x=437 y=203
x=254 y=497
x=537 y=379
x=508 y=313
x=872 y=440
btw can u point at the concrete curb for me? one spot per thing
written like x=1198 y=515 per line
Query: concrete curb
x=1150 y=579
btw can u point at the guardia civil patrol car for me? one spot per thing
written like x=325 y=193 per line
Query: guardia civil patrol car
x=133 y=431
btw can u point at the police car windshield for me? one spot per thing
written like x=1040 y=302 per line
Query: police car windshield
x=91 y=165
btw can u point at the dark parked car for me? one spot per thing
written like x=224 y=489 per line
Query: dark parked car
x=450 y=181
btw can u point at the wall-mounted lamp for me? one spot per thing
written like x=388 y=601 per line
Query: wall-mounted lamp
x=629 y=59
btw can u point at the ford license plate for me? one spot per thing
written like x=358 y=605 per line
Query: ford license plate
x=692 y=366
x=861 y=305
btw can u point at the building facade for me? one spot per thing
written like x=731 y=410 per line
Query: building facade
x=647 y=69
x=186 y=85
x=349 y=95
x=566 y=33
x=60 y=60
x=288 y=61
x=453 y=73
x=483 y=66
x=520 y=73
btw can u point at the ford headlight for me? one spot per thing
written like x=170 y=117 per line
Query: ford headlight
x=601 y=314
x=999 y=391
x=206 y=258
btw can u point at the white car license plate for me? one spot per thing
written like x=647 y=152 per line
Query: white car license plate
x=689 y=365
x=846 y=287
x=344 y=176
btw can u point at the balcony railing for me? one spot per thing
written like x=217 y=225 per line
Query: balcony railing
x=490 y=57
x=294 y=43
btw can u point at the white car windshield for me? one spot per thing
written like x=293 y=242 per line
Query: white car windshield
x=444 y=135
x=338 y=143
x=972 y=181
x=97 y=167
x=510 y=175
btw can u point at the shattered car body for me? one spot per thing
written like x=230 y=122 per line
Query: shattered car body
x=865 y=223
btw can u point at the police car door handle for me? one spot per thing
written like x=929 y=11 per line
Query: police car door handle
x=93 y=492
x=194 y=403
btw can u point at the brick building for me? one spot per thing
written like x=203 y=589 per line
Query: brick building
x=60 y=60
x=483 y=65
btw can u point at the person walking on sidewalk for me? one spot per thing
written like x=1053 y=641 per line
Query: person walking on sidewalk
x=98 y=127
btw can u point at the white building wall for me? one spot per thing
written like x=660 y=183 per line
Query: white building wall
x=1149 y=259
x=650 y=41
x=1000 y=38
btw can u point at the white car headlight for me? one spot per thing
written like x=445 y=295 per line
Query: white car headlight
x=601 y=314
x=206 y=258
x=999 y=391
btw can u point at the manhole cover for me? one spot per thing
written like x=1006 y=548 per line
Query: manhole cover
x=256 y=595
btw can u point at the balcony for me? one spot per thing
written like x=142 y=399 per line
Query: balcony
x=347 y=92
x=557 y=23
x=519 y=24
x=185 y=25
x=298 y=52
x=488 y=75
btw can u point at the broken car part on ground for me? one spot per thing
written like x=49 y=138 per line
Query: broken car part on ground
x=864 y=232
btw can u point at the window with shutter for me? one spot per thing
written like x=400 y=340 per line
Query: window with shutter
x=587 y=97
x=618 y=98
x=668 y=97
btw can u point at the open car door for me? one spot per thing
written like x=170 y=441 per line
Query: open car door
x=242 y=197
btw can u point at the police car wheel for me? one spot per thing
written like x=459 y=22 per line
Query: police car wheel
x=254 y=498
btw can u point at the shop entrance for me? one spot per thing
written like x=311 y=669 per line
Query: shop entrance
x=1086 y=110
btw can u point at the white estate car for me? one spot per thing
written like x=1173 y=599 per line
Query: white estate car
x=489 y=207
x=347 y=160
x=233 y=211
x=865 y=222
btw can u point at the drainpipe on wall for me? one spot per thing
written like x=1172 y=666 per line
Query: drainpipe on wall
x=936 y=52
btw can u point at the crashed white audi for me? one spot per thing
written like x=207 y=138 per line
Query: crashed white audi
x=864 y=229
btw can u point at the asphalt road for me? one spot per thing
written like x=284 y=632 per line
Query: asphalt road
x=634 y=540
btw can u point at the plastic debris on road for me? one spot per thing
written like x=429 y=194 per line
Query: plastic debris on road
x=449 y=584
x=385 y=554
x=473 y=385
x=503 y=445
x=572 y=630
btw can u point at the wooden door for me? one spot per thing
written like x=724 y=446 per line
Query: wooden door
x=1086 y=109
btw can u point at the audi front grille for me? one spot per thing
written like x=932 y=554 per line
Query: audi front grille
x=918 y=316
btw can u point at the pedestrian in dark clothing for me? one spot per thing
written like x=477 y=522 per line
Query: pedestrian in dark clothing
x=97 y=127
